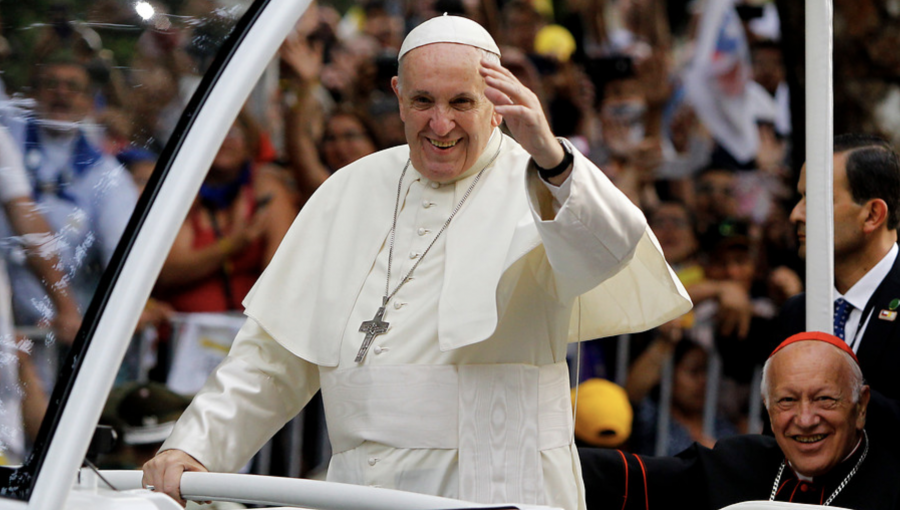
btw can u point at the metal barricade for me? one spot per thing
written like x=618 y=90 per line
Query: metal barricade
x=711 y=403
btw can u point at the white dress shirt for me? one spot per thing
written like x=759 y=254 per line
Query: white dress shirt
x=860 y=294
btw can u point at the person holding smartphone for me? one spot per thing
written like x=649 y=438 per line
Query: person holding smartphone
x=238 y=220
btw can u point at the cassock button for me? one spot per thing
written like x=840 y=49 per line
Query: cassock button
x=435 y=185
x=422 y=231
x=426 y=204
x=413 y=254
x=372 y=461
x=398 y=305
x=377 y=349
x=804 y=487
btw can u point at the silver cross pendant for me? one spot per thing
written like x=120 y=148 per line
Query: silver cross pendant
x=371 y=328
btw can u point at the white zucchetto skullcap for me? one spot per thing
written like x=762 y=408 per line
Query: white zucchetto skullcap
x=449 y=29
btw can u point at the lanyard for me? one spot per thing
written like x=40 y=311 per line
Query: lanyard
x=863 y=322
x=84 y=156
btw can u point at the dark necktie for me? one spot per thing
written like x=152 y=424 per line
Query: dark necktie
x=842 y=311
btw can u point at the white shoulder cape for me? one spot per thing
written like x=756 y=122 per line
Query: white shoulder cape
x=305 y=296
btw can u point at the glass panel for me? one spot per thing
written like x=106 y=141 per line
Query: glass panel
x=91 y=92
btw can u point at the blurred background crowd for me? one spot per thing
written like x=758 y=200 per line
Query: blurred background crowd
x=692 y=107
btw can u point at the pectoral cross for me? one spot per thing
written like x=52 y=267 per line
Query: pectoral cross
x=372 y=328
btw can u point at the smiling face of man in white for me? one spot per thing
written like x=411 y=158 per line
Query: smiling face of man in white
x=447 y=118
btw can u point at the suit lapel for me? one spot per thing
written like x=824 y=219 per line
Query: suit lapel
x=879 y=333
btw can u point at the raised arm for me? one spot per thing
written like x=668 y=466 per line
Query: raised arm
x=185 y=264
x=593 y=234
x=36 y=234
x=302 y=64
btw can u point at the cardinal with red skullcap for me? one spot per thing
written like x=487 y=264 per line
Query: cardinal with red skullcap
x=816 y=399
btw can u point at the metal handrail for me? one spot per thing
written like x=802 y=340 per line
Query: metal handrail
x=271 y=490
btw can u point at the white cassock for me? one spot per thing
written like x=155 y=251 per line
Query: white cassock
x=467 y=394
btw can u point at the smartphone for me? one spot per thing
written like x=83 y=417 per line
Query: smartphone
x=749 y=12
x=385 y=69
x=606 y=69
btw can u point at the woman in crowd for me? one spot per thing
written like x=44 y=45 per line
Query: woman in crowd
x=317 y=144
x=685 y=426
x=231 y=233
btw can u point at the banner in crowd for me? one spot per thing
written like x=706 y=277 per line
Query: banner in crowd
x=719 y=85
x=201 y=342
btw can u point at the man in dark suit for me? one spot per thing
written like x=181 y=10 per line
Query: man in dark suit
x=866 y=268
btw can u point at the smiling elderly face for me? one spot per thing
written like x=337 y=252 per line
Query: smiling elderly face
x=816 y=416
x=447 y=118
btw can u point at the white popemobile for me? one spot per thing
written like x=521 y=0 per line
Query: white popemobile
x=52 y=477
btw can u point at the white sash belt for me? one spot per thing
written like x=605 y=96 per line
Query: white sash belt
x=500 y=417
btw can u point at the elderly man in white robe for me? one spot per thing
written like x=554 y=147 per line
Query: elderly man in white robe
x=430 y=291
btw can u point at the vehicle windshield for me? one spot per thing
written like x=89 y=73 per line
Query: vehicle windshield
x=91 y=94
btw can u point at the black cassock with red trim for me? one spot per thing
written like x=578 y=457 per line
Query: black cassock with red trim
x=741 y=468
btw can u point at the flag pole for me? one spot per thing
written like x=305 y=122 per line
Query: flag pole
x=819 y=166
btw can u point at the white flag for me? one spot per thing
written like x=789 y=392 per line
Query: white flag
x=719 y=78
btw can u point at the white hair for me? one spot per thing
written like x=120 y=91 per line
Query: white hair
x=485 y=55
x=856 y=379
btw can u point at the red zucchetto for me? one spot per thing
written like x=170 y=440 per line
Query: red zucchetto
x=820 y=336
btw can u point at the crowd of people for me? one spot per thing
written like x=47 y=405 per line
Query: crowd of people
x=683 y=105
